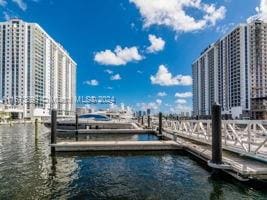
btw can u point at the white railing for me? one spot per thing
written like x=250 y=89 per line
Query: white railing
x=248 y=136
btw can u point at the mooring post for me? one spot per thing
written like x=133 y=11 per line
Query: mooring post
x=76 y=126
x=76 y=123
x=160 y=123
x=216 y=134
x=139 y=116
x=148 y=121
x=36 y=129
x=53 y=130
x=148 y=118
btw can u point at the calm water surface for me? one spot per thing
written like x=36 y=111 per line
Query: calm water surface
x=28 y=172
x=108 y=137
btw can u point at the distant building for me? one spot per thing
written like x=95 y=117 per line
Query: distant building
x=37 y=74
x=187 y=114
x=83 y=110
x=233 y=72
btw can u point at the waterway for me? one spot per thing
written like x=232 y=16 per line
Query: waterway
x=108 y=137
x=28 y=172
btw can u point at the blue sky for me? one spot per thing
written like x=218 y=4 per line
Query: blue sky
x=109 y=40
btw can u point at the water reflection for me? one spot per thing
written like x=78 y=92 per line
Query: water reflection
x=217 y=192
x=27 y=171
x=107 y=137
x=53 y=166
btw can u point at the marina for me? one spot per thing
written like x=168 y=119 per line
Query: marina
x=135 y=99
x=114 y=174
x=173 y=135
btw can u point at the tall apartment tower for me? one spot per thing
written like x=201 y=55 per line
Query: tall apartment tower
x=258 y=68
x=204 y=72
x=222 y=74
x=36 y=73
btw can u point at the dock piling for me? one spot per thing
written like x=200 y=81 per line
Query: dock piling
x=148 y=118
x=53 y=130
x=76 y=121
x=148 y=121
x=76 y=125
x=36 y=129
x=139 y=116
x=216 y=134
x=160 y=123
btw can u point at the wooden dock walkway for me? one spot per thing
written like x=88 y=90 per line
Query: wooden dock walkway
x=241 y=167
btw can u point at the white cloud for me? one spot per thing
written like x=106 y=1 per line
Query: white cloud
x=6 y=16
x=181 y=101
x=172 y=13
x=263 y=7
x=109 y=88
x=157 y=44
x=115 y=77
x=120 y=56
x=184 y=94
x=151 y=105
x=139 y=72
x=261 y=11
x=178 y=108
x=159 y=101
x=223 y=29
x=21 y=4
x=108 y=71
x=133 y=26
x=162 y=94
x=92 y=82
x=3 y=2
x=164 y=78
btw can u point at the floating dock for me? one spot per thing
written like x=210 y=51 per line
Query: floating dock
x=116 y=146
x=106 y=131
x=238 y=166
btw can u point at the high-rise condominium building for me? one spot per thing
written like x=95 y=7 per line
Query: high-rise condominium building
x=36 y=73
x=233 y=72
x=258 y=68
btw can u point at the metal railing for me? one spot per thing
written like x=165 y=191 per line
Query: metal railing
x=248 y=137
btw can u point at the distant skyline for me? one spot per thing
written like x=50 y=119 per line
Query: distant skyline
x=139 y=51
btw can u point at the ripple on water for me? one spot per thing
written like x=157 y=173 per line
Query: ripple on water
x=27 y=172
